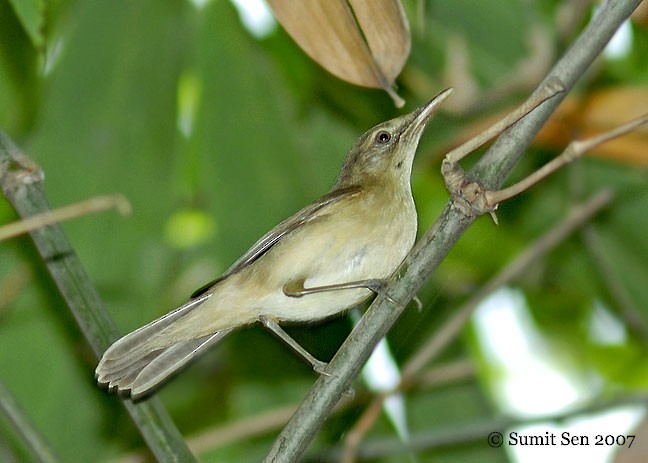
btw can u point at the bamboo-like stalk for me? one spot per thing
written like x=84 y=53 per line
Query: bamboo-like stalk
x=21 y=181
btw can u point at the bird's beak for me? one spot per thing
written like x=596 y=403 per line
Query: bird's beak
x=422 y=115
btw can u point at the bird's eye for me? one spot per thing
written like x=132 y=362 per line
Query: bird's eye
x=383 y=137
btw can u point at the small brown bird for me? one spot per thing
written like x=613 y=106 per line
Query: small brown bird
x=325 y=259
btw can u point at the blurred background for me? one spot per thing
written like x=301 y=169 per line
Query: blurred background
x=216 y=126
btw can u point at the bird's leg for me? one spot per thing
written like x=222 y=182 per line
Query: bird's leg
x=296 y=288
x=473 y=199
x=272 y=325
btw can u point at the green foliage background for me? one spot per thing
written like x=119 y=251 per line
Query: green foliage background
x=91 y=90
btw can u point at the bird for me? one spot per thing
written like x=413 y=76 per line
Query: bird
x=325 y=259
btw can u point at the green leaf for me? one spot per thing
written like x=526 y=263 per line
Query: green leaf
x=31 y=15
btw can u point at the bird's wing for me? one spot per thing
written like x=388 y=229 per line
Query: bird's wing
x=316 y=209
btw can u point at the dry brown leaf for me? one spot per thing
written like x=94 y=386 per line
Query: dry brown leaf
x=596 y=113
x=606 y=109
x=640 y=15
x=583 y=117
x=365 y=43
x=386 y=30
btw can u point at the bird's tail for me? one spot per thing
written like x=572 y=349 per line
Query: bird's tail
x=141 y=360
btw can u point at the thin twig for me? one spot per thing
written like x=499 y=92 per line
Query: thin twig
x=553 y=88
x=441 y=375
x=362 y=426
x=243 y=428
x=96 y=204
x=573 y=151
x=628 y=309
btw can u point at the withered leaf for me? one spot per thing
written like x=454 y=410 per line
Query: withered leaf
x=363 y=42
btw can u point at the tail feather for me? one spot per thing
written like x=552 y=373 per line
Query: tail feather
x=116 y=372
x=140 y=339
x=140 y=361
x=171 y=360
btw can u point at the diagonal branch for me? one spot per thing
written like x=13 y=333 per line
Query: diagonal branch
x=492 y=169
x=21 y=181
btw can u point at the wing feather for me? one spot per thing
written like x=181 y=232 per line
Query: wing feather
x=292 y=223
